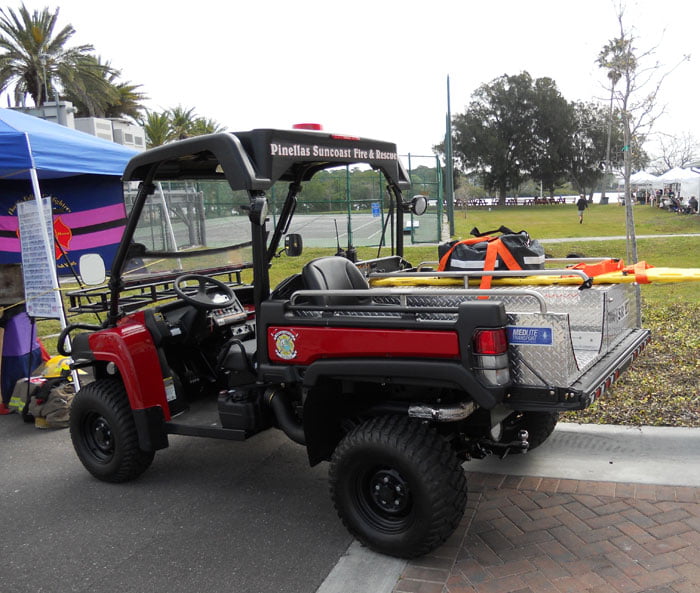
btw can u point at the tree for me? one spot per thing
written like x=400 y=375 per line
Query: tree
x=182 y=121
x=513 y=128
x=492 y=138
x=635 y=97
x=176 y=123
x=594 y=133
x=157 y=128
x=123 y=100
x=35 y=56
x=92 y=98
x=202 y=125
x=676 y=151
x=554 y=126
x=587 y=147
x=129 y=102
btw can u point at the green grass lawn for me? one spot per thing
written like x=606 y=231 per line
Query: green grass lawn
x=557 y=220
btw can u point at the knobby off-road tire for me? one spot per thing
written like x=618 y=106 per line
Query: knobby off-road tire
x=397 y=486
x=104 y=434
x=539 y=426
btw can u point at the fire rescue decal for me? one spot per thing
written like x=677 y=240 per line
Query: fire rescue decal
x=330 y=152
x=285 y=344
x=530 y=336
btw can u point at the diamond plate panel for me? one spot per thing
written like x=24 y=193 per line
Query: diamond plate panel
x=543 y=364
x=584 y=325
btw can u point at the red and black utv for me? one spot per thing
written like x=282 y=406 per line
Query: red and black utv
x=395 y=386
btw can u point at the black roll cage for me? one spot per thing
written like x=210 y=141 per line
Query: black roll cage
x=254 y=161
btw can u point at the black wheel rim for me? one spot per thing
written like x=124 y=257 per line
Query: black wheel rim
x=98 y=437
x=383 y=497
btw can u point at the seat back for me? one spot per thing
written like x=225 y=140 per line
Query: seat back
x=334 y=273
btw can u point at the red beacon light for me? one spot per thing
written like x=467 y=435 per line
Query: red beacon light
x=308 y=126
x=319 y=128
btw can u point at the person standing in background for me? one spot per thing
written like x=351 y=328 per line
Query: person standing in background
x=581 y=206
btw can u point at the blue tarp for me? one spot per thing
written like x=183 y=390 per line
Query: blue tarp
x=28 y=142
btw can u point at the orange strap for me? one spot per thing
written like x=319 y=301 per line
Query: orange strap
x=603 y=267
x=445 y=259
x=493 y=250
x=639 y=270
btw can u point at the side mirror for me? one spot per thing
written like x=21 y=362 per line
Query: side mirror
x=293 y=245
x=92 y=269
x=418 y=205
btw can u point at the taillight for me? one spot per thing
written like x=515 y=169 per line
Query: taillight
x=490 y=347
x=490 y=341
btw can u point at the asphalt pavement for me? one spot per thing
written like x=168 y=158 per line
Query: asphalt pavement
x=249 y=517
x=206 y=516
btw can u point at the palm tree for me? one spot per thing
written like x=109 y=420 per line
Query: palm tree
x=129 y=103
x=176 y=123
x=203 y=125
x=34 y=56
x=182 y=121
x=122 y=100
x=92 y=98
x=157 y=128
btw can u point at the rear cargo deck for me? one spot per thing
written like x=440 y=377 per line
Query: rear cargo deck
x=556 y=333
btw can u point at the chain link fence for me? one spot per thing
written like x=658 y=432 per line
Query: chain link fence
x=347 y=206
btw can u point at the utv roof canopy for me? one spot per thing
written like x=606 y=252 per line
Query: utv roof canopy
x=257 y=159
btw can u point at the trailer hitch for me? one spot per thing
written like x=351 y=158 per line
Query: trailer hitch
x=483 y=447
x=521 y=444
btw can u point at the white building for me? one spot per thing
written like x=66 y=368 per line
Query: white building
x=121 y=131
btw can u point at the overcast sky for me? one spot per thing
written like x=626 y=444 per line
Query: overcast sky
x=375 y=68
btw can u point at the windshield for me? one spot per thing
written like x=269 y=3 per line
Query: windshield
x=188 y=226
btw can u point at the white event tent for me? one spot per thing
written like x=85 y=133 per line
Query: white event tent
x=642 y=178
x=688 y=180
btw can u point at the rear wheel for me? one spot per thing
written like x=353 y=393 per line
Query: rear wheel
x=104 y=434
x=539 y=425
x=398 y=486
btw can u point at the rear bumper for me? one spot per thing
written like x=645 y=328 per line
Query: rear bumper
x=589 y=387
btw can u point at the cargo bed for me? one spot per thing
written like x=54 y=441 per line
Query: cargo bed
x=567 y=344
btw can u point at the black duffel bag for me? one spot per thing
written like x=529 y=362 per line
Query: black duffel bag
x=486 y=251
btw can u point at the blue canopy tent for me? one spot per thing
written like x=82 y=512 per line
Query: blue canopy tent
x=28 y=142
x=81 y=173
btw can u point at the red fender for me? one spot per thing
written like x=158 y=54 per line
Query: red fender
x=130 y=347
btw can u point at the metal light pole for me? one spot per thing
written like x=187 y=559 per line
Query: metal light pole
x=449 y=166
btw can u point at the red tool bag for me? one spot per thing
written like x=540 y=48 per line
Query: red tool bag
x=487 y=252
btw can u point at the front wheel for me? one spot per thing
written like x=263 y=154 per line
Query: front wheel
x=397 y=486
x=104 y=434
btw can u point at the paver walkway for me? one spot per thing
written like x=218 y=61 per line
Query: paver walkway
x=547 y=535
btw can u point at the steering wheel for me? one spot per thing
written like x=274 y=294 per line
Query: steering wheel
x=202 y=299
